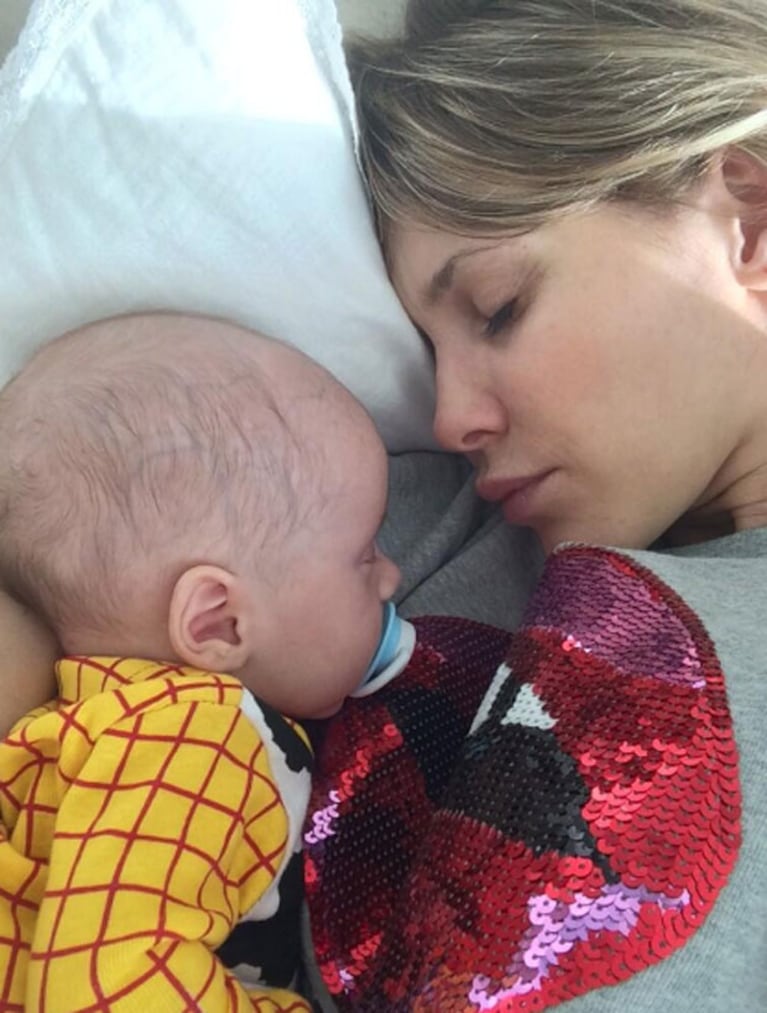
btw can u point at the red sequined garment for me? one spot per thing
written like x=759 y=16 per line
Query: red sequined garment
x=582 y=830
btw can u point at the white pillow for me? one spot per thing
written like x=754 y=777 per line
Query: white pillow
x=199 y=156
x=370 y=17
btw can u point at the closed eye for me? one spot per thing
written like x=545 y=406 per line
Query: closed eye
x=500 y=318
x=425 y=339
x=371 y=555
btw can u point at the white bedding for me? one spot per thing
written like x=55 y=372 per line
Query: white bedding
x=199 y=157
x=366 y=16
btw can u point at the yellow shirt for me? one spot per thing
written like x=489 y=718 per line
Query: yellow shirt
x=141 y=817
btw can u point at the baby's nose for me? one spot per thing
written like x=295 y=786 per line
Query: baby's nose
x=388 y=578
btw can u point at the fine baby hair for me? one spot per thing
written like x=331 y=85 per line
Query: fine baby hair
x=130 y=447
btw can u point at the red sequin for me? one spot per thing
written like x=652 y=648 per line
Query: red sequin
x=580 y=833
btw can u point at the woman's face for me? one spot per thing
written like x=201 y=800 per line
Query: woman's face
x=594 y=369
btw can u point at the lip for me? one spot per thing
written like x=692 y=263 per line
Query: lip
x=518 y=495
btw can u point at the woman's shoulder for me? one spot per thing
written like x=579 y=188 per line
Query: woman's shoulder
x=708 y=601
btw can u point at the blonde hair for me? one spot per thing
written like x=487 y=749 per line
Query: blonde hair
x=498 y=115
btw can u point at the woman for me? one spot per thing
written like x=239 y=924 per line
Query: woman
x=560 y=187
x=572 y=199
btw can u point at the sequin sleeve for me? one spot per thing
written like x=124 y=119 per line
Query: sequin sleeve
x=582 y=831
x=170 y=829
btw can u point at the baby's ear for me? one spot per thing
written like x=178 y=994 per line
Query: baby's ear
x=207 y=619
x=745 y=178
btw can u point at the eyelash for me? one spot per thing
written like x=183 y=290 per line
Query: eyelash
x=372 y=554
x=425 y=339
x=495 y=323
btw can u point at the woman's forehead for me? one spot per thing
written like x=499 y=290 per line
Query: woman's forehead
x=424 y=262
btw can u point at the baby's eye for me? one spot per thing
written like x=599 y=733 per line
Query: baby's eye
x=502 y=316
x=371 y=555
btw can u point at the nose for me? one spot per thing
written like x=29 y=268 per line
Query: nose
x=468 y=413
x=389 y=577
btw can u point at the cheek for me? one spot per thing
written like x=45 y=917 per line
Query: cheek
x=591 y=348
x=570 y=384
x=355 y=603
x=549 y=367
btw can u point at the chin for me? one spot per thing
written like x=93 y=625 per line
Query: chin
x=554 y=535
x=614 y=536
x=327 y=712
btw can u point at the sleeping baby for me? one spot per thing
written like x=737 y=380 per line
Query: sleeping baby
x=192 y=508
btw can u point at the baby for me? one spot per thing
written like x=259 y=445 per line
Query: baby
x=192 y=509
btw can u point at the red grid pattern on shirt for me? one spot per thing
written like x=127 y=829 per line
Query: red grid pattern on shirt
x=179 y=772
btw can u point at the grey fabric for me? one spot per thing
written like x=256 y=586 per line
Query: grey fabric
x=459 y=558
x=724 y=966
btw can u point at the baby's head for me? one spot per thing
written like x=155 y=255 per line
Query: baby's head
x=183 y=489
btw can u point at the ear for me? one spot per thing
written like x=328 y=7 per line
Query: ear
x=208 y=621
x=745 y=178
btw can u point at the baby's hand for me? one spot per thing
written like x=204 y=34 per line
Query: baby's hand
x=28 y=651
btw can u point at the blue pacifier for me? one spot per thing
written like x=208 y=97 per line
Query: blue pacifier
x=391 y=634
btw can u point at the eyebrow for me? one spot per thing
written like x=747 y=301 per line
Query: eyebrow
x=443 y=278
